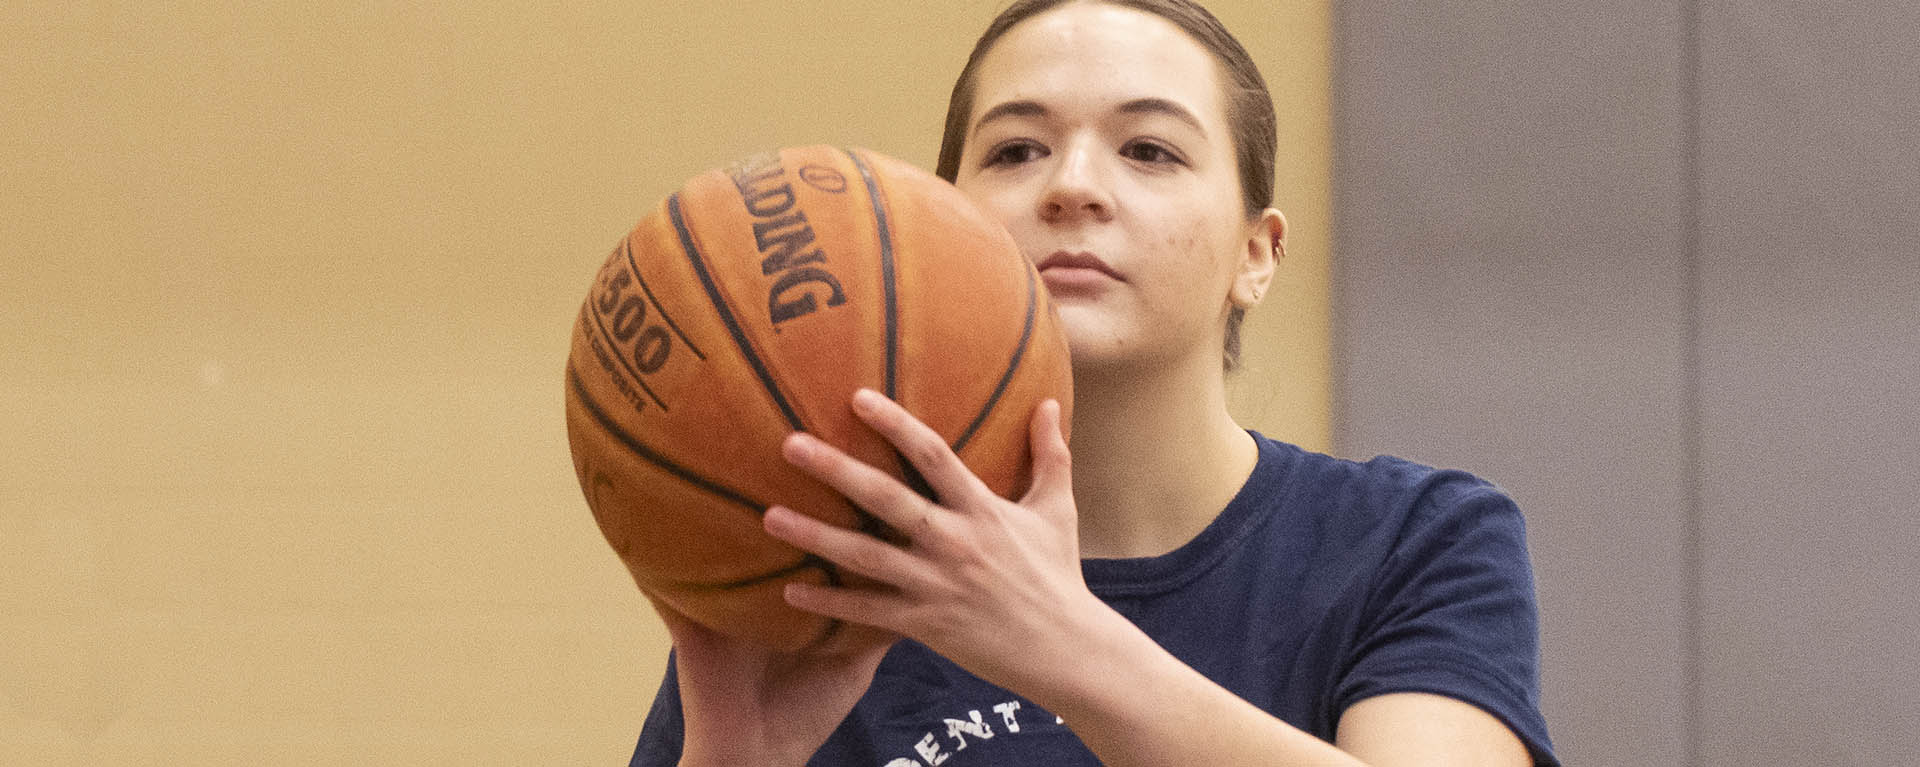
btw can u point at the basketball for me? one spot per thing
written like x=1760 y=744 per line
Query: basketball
x=752 y=303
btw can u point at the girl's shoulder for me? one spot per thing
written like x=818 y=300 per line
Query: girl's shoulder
x=1383 y=496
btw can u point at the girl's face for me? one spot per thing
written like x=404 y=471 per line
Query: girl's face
x=1099 y=138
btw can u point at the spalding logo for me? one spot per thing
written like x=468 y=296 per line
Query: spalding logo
x=781 y=232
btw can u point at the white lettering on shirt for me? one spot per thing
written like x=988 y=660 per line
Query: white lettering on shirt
x=1006 y=712
x=976 y=728
x=930 y=749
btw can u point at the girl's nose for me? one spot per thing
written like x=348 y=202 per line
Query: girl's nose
x=1076 y=187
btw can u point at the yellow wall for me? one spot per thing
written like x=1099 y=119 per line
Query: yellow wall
x=285 y=297
x=1285 y=386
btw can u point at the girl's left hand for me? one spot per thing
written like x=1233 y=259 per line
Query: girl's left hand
x=991 y=584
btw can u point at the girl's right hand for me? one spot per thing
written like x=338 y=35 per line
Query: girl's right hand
x=746 y=703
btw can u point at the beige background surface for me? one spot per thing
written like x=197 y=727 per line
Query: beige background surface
x=284 y=306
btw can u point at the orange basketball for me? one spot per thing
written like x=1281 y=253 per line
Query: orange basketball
x=751 y=304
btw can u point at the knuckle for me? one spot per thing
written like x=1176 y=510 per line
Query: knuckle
x=865 y=559
x=924 y=452
x=940 y=538
x=926 y=526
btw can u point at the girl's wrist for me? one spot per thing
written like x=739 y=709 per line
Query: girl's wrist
x=1082 y=661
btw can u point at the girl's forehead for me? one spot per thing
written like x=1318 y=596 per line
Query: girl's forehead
x=1091 y=54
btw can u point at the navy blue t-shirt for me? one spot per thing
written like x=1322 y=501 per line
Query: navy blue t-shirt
x=1323 y=583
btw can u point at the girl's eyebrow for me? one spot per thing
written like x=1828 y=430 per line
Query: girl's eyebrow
x=1027 y=108
x=1011 y=109
x=1163 y=106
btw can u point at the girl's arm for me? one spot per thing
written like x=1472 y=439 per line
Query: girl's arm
x=996 y=586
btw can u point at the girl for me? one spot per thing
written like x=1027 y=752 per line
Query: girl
x=1179 y=591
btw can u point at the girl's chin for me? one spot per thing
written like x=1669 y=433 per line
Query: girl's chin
x=1096 y=346
x=1100 y=343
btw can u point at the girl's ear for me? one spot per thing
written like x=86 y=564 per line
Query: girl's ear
x=1266 y=244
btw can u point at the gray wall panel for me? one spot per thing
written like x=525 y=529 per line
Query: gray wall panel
x=1661 y=278
x=1510 y=299
x=1810 y=374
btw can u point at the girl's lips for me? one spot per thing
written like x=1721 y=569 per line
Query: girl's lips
x=1076 y=267
x=1082 y=274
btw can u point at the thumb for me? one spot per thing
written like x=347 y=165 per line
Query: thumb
x=1052 y=463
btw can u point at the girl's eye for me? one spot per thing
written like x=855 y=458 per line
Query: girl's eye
x=1013 y=153
x=1149 y=152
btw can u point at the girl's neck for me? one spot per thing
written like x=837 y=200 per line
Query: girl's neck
x=1156 y=456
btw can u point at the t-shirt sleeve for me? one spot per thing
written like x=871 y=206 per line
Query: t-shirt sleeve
x=661 y=735
x=1452 y=611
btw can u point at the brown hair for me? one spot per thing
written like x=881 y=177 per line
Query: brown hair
x=1250 y=115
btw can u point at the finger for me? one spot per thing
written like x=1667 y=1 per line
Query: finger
x=1052 y=461
x=923 y=447
x=876 y=491
x=861 y=606
x=851 y=550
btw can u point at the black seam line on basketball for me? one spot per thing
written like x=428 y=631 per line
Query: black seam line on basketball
x=890 y=302
x=810 y=562
x=1013 y=365
x=888 y=289
x=726 y=315
x=601 y=324
x=914 y=478
x=627 y=246
x=652 y=456
x=869 y=524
